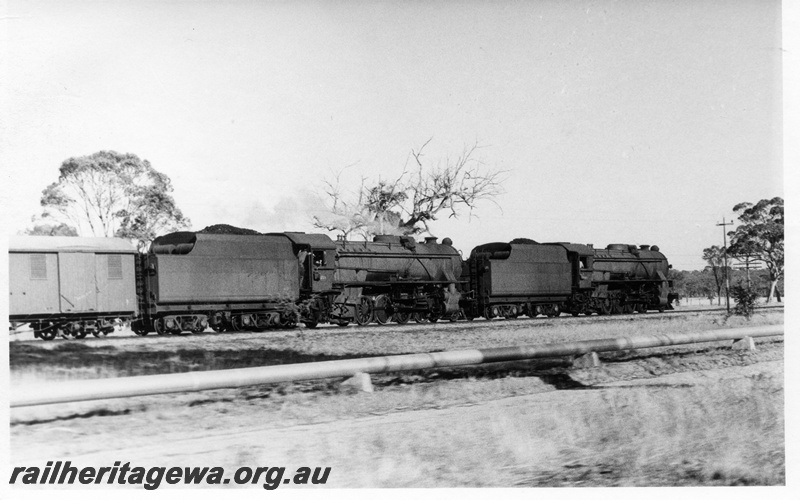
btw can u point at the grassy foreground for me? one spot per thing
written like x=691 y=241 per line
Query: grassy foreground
x=671 y=432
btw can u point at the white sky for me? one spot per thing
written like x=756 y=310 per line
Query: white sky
x=618 y=122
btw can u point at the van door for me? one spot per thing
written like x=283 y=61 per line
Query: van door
x=78 y=285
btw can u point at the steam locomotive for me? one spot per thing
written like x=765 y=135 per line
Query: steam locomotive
x=191 y=281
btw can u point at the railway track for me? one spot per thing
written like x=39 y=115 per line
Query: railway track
x=65 y=392
x=23 y=334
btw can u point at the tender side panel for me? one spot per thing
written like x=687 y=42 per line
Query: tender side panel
x=229 y=276
x=531 y=270
x=77 y=275
x=33 y=284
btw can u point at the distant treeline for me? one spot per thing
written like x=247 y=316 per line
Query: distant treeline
x=704 y=284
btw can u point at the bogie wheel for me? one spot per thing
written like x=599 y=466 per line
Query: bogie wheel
x=160 y=326
x=364 y=311
x=604 y=307
x=46 y=331
x=236 y=323
x=139 y=328
x=401 y=318
x=616 y=307
x=382 y=309
x=627 y=309
x=420 y=318
x=219 y=326
x=310 y=324
x=288 y=321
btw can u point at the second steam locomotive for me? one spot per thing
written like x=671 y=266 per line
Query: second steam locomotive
x=190 y=281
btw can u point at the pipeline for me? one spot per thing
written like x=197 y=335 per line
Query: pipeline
x=87 y=390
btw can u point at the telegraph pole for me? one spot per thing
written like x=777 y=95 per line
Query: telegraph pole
x=725 y=256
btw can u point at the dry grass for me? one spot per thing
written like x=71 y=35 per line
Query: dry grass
x=723 y=433
x=708 y=418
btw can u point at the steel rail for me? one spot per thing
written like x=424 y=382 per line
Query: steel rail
x=87 y=390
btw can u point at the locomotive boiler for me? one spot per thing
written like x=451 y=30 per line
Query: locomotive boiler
x=392 y=278
x=628 y=278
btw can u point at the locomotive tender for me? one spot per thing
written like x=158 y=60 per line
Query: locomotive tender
x=189 y=281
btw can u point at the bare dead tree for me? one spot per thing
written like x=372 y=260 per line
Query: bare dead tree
x=407 y=203
x=342 y=216
x=459 y=183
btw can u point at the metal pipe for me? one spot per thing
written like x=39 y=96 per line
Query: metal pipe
x=87 y=390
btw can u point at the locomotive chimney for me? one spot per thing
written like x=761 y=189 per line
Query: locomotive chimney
x=644 y=247
x=430 y=239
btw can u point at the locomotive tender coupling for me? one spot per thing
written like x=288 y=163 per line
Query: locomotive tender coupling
x=191 y=281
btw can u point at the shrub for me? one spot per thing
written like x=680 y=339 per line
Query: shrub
x=745 y=298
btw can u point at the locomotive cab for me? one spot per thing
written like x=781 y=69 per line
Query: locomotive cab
x=316 y=254
x=581 y=259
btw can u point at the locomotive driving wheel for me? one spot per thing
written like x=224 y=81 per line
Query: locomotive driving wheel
x=604 y=307
x=364 y=311
x=401 y=318
x=434 y=314
x=382 y=309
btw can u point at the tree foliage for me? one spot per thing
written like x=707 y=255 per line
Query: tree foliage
x=703 y=284
x=112 y=194
x=745 y=298
x=52 y=230
x=408 y=203
x=715 y=257
x=760 y=235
